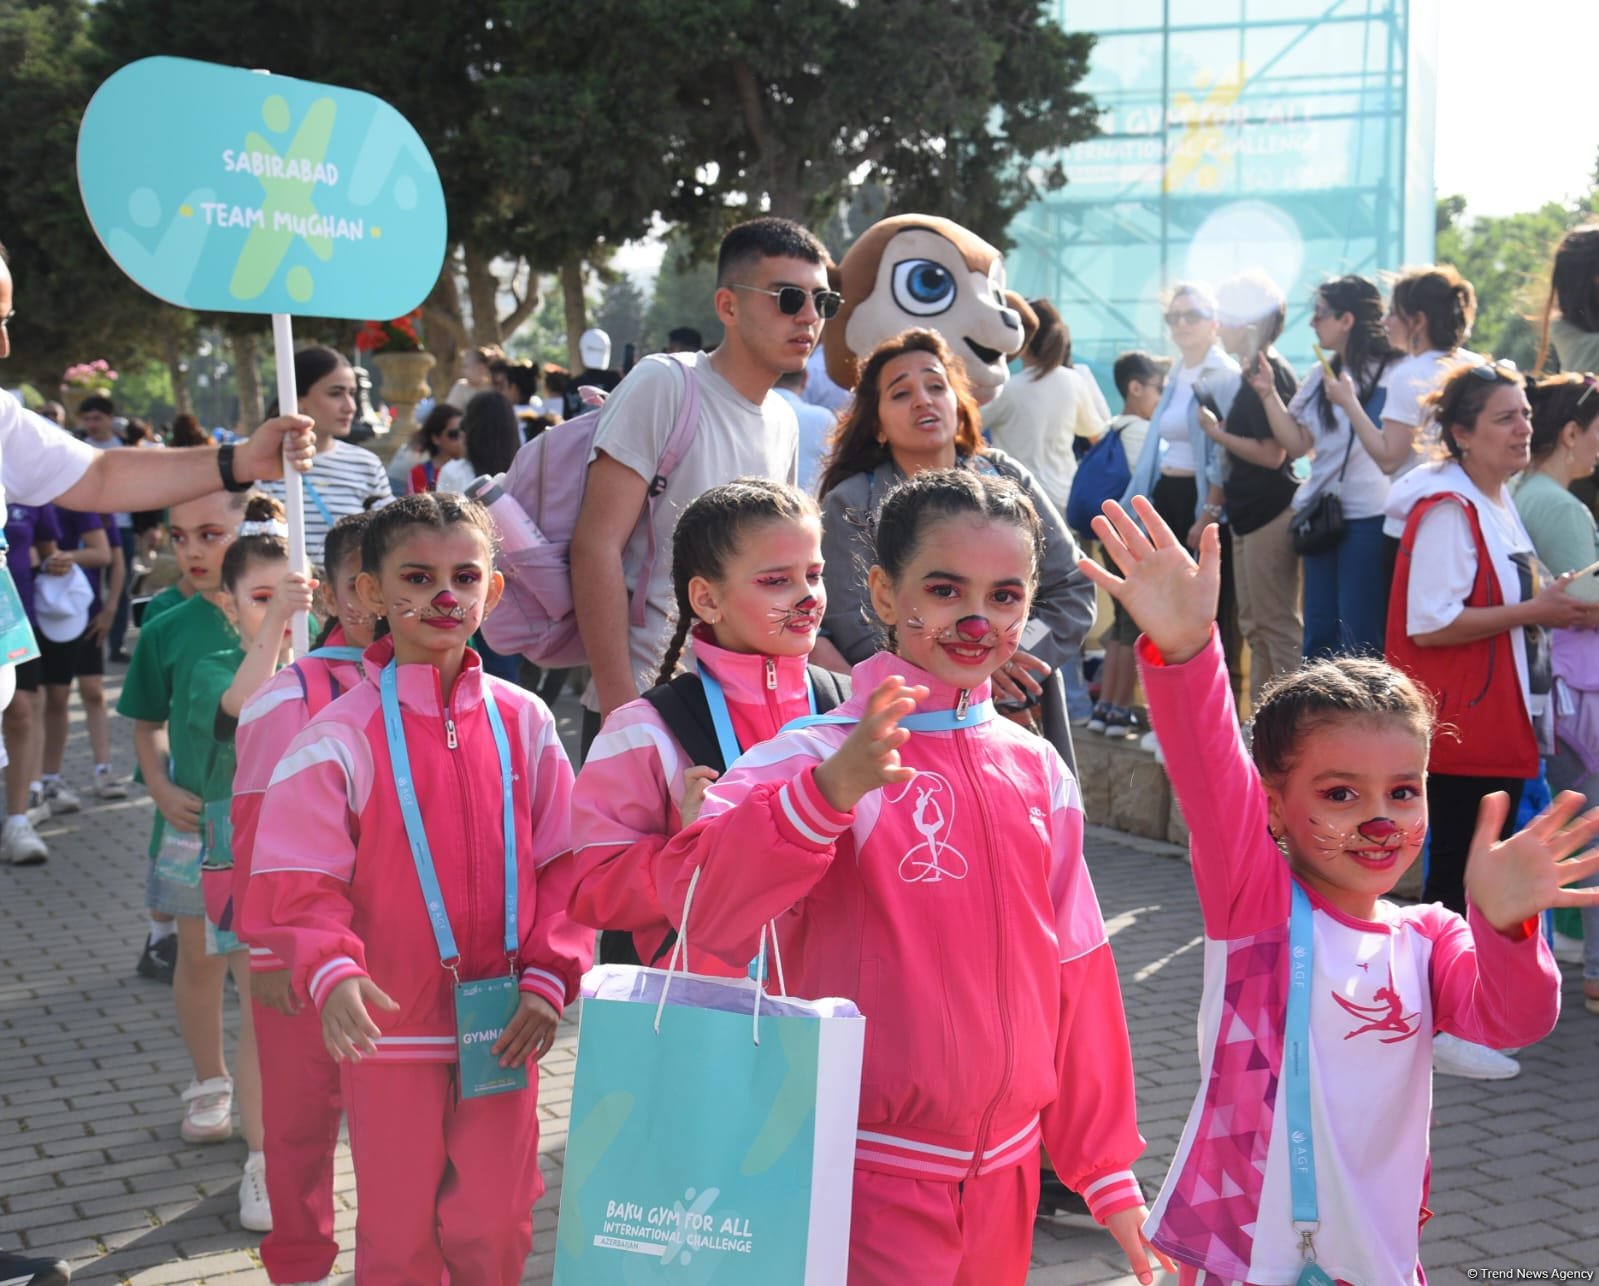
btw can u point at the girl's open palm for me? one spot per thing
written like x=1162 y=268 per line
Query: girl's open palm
x=1514 y=880
x=869 y=756
x=1170 y=596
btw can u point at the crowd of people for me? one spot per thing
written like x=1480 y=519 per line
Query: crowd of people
x=1389 y=548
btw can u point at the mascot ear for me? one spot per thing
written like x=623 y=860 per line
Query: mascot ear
x=1029 y=318
x=842 y=365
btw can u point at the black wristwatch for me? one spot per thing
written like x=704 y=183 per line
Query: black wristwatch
x=225 y=468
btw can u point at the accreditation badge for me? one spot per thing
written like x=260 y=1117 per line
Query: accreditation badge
x=482 y=1011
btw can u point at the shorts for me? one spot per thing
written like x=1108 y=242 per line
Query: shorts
x=1123 y=629
x=171 y=896
x=64 y=662
x=28 y=674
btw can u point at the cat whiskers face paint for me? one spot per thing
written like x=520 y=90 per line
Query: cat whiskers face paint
x=968 y=631
x=804 y=617
x=1373 y=833
x=445 y=606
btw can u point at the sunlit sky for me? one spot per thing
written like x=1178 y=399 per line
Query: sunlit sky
x=1518 y=102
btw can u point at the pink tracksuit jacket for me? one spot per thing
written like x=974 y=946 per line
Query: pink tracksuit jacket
x=1379 y=990
x=630 y=791
x=333 y=889
x=270 y=720
x=957 y=912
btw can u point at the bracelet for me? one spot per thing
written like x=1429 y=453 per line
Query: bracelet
x=230 y=481
x=1211 y=511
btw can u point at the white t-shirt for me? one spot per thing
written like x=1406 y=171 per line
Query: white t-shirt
x=38 y=461
x=1179 y=457
x=736 y=438
x=1364 y=489
x=1035 y=420
x=346 y=479
x=456 y=476
x=1444 y=546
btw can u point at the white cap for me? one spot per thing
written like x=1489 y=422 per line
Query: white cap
x=61 y=604
x=594 y=347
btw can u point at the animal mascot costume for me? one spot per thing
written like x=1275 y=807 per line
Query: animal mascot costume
x=920 y=270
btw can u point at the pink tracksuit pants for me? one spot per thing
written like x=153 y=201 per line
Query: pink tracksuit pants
x=935 y=1233
x=300 y=1105
x=440 y=1186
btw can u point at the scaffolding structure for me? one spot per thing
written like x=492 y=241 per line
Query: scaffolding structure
x=1290 y=135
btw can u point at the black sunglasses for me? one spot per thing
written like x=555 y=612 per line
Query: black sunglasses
x=1490 y=372
x=1190 y=315
x=790 y=299
x=452 y=433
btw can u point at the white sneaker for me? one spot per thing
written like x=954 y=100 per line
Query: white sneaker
x=1567 y=950
x=38 y=811
x=208 y=1110
x=1455 y=1057
x=255 y=1211
x=59 y=798
x=20 y=843
x=108 y=787
x=1151 y=743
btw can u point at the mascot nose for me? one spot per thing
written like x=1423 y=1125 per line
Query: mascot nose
x=1379 y=830
x=446 y=600
x=972 y=628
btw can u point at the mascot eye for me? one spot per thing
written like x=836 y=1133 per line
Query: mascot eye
x=923 y=287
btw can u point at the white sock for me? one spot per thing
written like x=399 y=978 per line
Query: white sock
x=34 y=787
x=102 y=770
x=16 y=817
x=51 y=777
x=162 y=929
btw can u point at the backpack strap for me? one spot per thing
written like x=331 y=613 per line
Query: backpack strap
x=683 y=708
x=677 y=445
x=830 y=689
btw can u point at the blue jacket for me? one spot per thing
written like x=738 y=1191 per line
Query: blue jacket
x=1219 y=377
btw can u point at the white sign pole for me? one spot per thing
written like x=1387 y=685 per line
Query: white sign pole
x=293 y=491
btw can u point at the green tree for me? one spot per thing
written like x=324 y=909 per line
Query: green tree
x=620 y=314
x=684 y=295
x=1506 y=258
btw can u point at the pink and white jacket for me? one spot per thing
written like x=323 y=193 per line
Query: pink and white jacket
x=956 y=911
x=271 y=719
x=1380 y=989
x=629 y=795
x=333 y=888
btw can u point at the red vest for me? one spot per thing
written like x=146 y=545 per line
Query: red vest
x=1483 y=727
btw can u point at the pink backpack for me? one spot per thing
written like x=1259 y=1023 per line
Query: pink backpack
x=547 y=479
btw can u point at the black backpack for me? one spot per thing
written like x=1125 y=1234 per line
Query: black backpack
x=683 y=708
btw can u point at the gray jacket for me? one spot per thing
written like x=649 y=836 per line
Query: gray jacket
x=1063 y=608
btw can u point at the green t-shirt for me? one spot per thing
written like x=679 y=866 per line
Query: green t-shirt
x=1561 y=526
x=165 y=601
x=163 y=658
x=203 y=757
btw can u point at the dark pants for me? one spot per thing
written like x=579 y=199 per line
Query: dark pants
x=1452 y=804
x=119 y=622
x=591 y=729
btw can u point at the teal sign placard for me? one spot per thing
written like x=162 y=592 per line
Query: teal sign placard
x=226 y=190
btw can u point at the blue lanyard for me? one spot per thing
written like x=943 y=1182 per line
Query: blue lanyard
x=722 y=718
x=316 y=499
x=336 y=653
x=1296 y=1069
x=927 y=721
x=421 y=853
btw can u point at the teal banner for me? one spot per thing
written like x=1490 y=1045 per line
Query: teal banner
x=226 y=190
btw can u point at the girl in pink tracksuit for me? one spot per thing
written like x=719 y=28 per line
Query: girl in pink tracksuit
x=400 y=785
x=1338 y=784
x=299 y=1079
x=925 y=860
x=747 y=568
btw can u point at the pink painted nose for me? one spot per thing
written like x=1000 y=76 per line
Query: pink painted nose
x=446 y=600
x=972 y=628
x=1379 y=830
x=806 y=604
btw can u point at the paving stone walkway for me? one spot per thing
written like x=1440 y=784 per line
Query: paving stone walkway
x=91 y=1166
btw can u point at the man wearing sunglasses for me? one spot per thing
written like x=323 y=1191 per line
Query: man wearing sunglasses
x=772 y=297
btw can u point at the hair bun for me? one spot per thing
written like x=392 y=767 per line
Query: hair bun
x=260 y=507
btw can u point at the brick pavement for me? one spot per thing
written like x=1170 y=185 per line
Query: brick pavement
x=91 y=1166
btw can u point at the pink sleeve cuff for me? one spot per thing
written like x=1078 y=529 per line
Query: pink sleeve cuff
x=1111 y=1193
x=263 y=961
x=546 y=985
x=807 y=817
x=329 y=975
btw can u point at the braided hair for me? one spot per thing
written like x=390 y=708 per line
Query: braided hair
x=708 y=534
